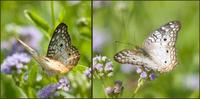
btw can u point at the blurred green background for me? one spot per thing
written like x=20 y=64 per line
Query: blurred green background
x=44 y=16
x=130 y=23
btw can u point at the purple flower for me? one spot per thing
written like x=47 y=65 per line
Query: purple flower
x=127 y=68
x=109 y=90
x=47 y=91
x=99 y=38
x=114 y=90
x=88 y=72
x=152 y=76
x=16 y=61
x=143 y=74
x=102 y=66
x=190 y=81
x=63 y=84
x=29 y=34
x=138 y=70
x=108 y=66
x=98 y=67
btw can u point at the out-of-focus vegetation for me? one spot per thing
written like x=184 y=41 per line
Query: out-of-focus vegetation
x=43 y=17
x=129 y=23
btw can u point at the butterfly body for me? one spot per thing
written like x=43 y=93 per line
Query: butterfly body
x=61 y=56
x=158 y=51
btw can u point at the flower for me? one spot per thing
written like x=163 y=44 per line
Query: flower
x=146 y=73
x=29 y=35
x=127 y=68
x=51 y=89
x=152 y=76
x=98 y=67
x=115 y=90
x=143 y=74
x=99 y=39
x=138 y=70
x=118 y=88
x=87 y=72
x=190 y=81
x=15 y=62
x=102 y=66
x=63 y=84
x=108 y=66
x=47 y=91
x=109 y=90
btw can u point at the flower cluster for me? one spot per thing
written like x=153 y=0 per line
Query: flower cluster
x=146 y=73
x=102 y=66
x=17 y=62
x=88 y=72
x=28 y=34
x=49 y=90
x=63 y=84
x=114 y=91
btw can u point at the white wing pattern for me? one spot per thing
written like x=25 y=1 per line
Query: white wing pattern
x=158 y=51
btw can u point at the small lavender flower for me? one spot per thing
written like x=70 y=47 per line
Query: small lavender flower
x=108 y=66
x=47 y=91
x=102 y=66
x=138 y=70
x=98 y=67
x=143 y=74
x=115 y=90
x=63 y=84
x=99 y=39
x=146 y=73
x=109 y=90
x=152 y=76
x=16 y=61
x=88 y=72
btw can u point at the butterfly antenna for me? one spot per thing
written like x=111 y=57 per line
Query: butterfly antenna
x=29 y=49
x=127 y=44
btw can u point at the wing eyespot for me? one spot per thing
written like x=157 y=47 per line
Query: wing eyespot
x=167 y=51
x=165 y=39
x=165 y=61
x=61 y=45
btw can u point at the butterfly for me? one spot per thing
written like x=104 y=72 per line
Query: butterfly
x=158 y=51
x=61 y=56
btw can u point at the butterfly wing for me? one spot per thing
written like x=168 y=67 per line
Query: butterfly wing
x=60 y=47
x=160 y=46
x=136 y=57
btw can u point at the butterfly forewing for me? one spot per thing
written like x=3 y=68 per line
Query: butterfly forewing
x=160 y=46
x=60 y=47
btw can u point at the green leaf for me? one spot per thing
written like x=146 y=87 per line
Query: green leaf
x=61 y=15
x=79 y=68
x=9 y=89
x=40 y=22
x=32 y=74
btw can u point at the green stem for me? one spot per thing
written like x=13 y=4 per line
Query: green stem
x=140 y=83
x=52 y=13
x=103 y=85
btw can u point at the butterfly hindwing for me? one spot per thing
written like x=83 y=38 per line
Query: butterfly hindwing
x=135 y=57
x=60 y=47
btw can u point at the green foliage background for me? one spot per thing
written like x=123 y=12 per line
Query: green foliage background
x=131 y=22
x=45 y=16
